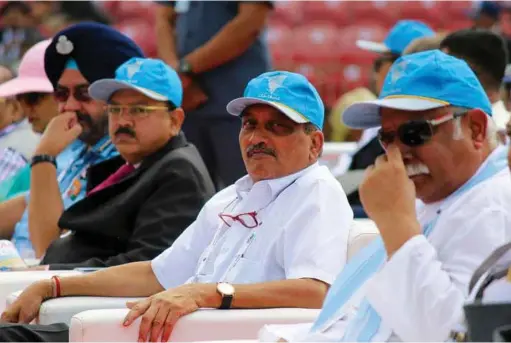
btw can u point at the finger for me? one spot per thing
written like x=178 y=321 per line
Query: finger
x=130 y=304
x=136 y=311
x=158 y=322
x=27 y=314
x=394 y=154
x=147 y=322
x=381 y=159
x=170 y=322
x=9 y=317
x=76 y=130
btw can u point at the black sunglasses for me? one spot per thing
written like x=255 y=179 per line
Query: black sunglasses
x=415 y=133
x=31 y=99
x=80 y=93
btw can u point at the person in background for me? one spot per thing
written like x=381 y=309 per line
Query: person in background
x=18 y=32
x=215 y=60
x=506 y=89
x=34 y=93
x=70 y=66
x=16 y=135
x=486 y=53
x=486 y=15
x=275 y=238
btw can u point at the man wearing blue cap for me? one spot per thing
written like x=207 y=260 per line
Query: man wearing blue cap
x=398 y=38
x=411 y=284
x=276 y=238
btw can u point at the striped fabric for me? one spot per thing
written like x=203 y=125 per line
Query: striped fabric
x=10 y=162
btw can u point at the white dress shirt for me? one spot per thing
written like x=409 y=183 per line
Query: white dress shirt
x=420 y=292
x=304 y=221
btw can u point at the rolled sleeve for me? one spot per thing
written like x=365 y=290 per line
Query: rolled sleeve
x=316 y=235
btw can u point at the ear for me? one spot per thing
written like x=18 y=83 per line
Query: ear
x=316 y=148
x=176 y=120
x=478 y=123
x=17 y=111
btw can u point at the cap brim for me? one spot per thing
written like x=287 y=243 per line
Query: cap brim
x=365 y=115
x=237 y=106
x=372 y=46
x=21 y=85
x=103 y=90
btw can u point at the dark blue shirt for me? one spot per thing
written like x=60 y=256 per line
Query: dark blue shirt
x=197 y=23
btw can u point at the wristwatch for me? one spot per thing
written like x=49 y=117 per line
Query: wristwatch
x=226 y=290
x=184 y=67
x=43 y=158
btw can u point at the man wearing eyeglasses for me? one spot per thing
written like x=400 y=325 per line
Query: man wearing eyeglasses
x=276 y=238
x=411 y=284
x=70 y=66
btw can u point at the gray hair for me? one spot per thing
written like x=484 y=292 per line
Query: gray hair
x=491 y=127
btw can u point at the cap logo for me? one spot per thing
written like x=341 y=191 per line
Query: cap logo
x=64 y=46
x=133 y=68
x=398 y=70
x=275 y=82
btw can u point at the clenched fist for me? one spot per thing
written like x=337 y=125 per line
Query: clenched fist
x=60 y=132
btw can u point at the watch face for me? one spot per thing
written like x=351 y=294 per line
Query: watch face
x=225 y=288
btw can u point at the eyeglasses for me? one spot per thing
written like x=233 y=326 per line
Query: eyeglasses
x=415 y=133
x=31 y=99
x=136 y=111
x=80 y=93
x=248 y=220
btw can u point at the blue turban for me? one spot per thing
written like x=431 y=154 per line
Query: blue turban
x=97 y=49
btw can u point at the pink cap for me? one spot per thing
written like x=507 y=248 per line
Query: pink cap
x=31 y=75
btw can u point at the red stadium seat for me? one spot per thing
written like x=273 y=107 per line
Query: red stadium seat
x=142 y=33
x=333 y=11
x=459 y=24
x=430 y=12
x=287 y=12
x=354 y=76
x=457 y=10
x=280 y=41
x=315 y=44
x=382 y=13
x=135 y=10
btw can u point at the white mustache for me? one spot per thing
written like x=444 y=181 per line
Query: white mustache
x=416 y=169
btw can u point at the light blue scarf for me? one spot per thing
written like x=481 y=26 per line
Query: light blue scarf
x=369 y=260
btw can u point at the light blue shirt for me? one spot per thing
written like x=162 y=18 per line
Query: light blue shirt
x=72 y=164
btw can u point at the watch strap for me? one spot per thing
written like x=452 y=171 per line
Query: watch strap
x=226 y=302
x=43 y=158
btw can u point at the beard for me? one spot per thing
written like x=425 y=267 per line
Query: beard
x=93 y=129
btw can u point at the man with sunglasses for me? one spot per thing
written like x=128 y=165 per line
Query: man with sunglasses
x=399 y=37
x=411 y=284
x=70 y=66
x=276 y=238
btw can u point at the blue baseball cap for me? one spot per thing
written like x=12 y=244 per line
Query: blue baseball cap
x=420 y=82
x=151 y=77
x=290 y=93
x=399 y=37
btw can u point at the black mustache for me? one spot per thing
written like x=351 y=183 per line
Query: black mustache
x=126 y=130
x=260 y=148
x=84 y=117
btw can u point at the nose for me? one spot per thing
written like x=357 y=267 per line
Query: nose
x=257 y=136
x=71 y=104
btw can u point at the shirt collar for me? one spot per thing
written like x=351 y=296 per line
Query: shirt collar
x=273 y=186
